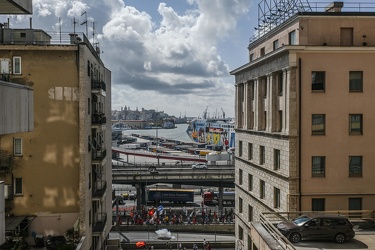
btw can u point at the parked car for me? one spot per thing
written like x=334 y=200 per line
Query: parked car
x=199 y=165
x=317 y=226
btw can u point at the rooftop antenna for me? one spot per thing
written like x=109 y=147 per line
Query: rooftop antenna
x=272 y=13
x=93 y=32
x=74 y=25
x=60 y=28
x=85 y=22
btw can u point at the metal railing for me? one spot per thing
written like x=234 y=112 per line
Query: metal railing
x=269 y=220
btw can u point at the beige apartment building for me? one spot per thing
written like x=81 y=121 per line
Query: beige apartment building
x=57 y=174
x=305 y=114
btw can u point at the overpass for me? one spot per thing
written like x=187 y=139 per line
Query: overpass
x=174 y=169
x=142 y=175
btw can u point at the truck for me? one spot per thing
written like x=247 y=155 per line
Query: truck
x=212 y=198
x=157 y=195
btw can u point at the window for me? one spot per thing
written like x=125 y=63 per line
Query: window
x=89 y=144
x=17 y=65
x=262 y=155
x=17 y=146
x=250 y=151
x=275 y=44
x=264 y=88
x=355 y=166
x=280 y=121
x=292 y=38
x=279 y=79
x=88 y=68
x=318 y=124
x=17 y=186
x=240 y=148
x=318 y=166
x=240 y=173
x=250 y=182
x=262 y=189
x=276 y=159
x=264 y=120
x=317 y=204
x=318 y=80
x=276 y=197
x=355 y=81
x=251 y=57
x=355 y=203
x=88 y=106
x=240 y=203
x=240 y=233
x=262 y=51
x=90 y=217
x=355 y=124
x=250 y=213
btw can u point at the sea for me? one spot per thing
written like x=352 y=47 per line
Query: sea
x=178 y=133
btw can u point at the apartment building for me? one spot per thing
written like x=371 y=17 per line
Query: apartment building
x=304 y=112
x=58 y=174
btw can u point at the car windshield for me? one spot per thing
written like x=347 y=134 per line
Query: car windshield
x=300 y=220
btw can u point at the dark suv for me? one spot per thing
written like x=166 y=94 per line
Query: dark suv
x=317 y=226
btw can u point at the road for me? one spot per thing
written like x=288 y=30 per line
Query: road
x=192 y=238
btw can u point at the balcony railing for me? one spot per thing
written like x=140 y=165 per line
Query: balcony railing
x=99 y=188
x=98 y=118
x=6 y=163
x=100 y=219
x=99 y=154
x=98 y=85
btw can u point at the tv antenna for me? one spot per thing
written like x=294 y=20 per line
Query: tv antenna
x=85 y=22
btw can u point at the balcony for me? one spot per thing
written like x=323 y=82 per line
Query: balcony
x=99 y=154
x=99 y=189
x=98 y=119
x=6 y=163
x=98 y=87
x=100 y=219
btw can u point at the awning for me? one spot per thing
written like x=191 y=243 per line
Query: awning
x=14 y=225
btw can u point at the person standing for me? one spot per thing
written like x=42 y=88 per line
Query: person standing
x=208 y=247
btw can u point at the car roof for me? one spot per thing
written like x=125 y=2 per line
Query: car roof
x=331 y=216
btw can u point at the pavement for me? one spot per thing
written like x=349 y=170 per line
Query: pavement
x=364 y=239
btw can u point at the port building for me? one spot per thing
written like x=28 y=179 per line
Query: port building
x=304 y=112
x=55 y=138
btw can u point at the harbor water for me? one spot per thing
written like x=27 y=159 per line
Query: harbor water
x=178 y=133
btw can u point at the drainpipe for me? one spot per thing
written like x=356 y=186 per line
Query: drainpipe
x=299 y=132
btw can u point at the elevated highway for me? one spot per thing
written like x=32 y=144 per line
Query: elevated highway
x=148 y=175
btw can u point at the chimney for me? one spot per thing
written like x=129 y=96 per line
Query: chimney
x=31 y=23
x=334 y=7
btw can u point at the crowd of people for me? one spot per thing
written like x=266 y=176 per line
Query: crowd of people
x=159 y=216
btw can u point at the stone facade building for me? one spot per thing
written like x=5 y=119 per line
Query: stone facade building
x=305 y=118
x=59 y=175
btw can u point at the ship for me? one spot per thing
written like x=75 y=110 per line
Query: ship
x=120 y=126
x=217 y=133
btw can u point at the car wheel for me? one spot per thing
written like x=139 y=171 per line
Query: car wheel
x=295 y=237
x=340 y=238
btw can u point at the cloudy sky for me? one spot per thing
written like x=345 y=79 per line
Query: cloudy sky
x=172 y=55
